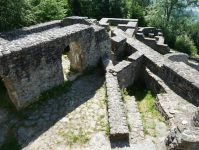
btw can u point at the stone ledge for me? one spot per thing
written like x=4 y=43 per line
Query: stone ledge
x=76 y=20
x=117 y=118
x=129 y=25
x=130 y=32
x=151 y=42
x=118 y=44
x=41 y=39
x=30 y=29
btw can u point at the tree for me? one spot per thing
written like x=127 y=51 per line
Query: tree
x=172 y=6
x=14 y=14
x=117 y=8
x=174 y=30
x=76 y=7
x=47 y=10
x=184 y=44
x=137 y=12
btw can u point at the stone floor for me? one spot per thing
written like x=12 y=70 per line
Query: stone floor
x=60 y=122
x=76 y=120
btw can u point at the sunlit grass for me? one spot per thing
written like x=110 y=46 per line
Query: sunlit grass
x=145 y=100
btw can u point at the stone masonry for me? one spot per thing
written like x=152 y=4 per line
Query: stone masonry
x=31 y=63
x=116 y=114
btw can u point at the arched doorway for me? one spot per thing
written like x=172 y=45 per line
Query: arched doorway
x=8 y=95
x=73 y=60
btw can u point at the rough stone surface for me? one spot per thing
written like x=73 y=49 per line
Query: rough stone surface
x=104 y=22
x=117 y=118
x=125 y=73
x=41 y=54
x=196 y=118
x=76 y=20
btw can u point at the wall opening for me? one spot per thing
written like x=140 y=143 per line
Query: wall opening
x=5 y=101
x=72 y=59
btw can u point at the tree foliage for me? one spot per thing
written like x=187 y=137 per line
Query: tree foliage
x=137 y=12
x=174 y=29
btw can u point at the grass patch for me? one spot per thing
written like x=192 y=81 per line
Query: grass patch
x=145 y=101
x=129 y=126
x=80 y=138
x=10 y=142
x=105 y=99
x=107 y=130
x=89 y=70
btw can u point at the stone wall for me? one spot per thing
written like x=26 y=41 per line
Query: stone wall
x=104 y=22
x=177 y=111
x=183 y=79
x=129 y=25
x=147 y=30
x=76 y=20
x=125 y=73
x=151 y=42
x=116 y=114
x=32 y=64
x=19 y=33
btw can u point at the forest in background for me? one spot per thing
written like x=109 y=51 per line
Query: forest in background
x=179 y=23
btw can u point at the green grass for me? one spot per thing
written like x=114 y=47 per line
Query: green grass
x=112 y=27
x=129 y=126
x=10 y=142
x=145 y=101
x=105 y=99
x=107 y=130
x=80 y=138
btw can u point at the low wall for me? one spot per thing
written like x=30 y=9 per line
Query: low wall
x=125 y=73
x=104 y=22
x=147 y=30
x=183 y=79
x=116 y=114
x=28 y=30
x=151 y=42
x=76 y=20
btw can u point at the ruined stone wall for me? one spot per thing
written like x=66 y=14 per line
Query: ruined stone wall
x=125 y=73
x=116 y=113
x=104 y=22
x=76 y=20
x=19 y=33
x=151 y=42
x=32 y=63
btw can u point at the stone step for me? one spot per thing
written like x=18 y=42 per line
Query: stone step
x=134 y=120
